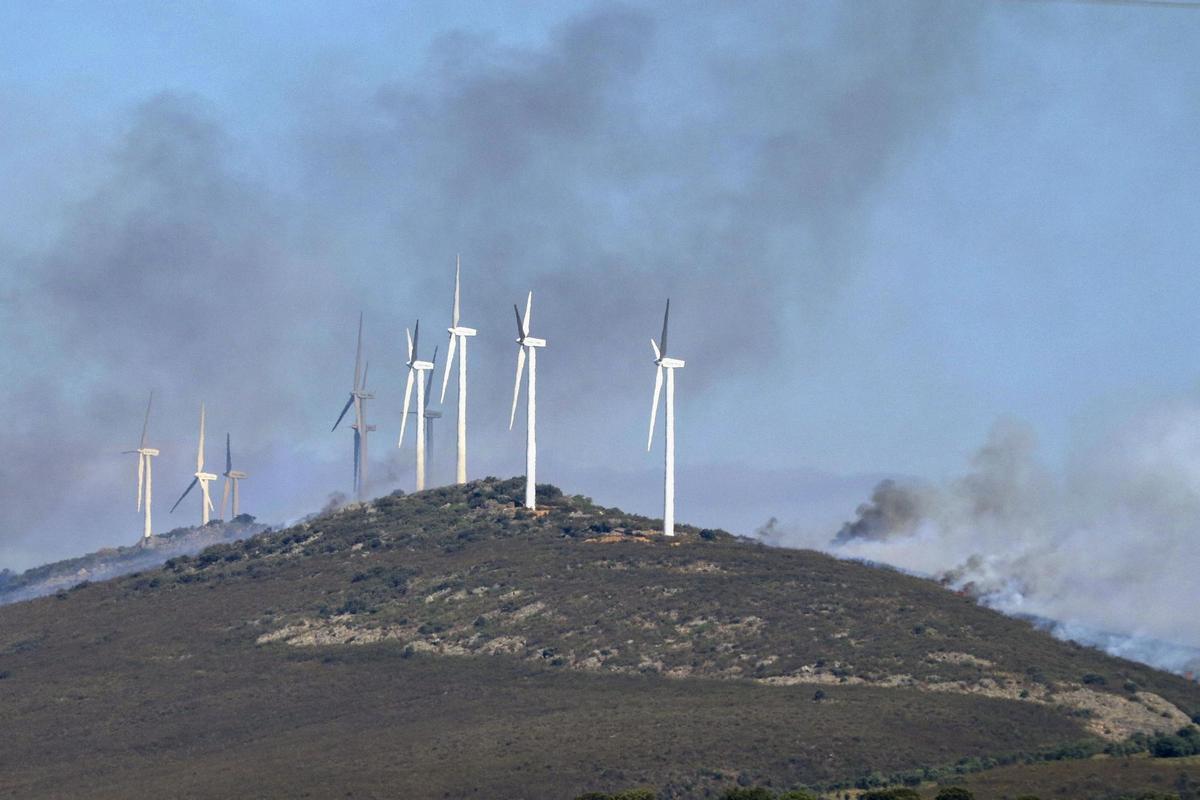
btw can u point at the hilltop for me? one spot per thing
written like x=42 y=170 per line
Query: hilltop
x=450 y=643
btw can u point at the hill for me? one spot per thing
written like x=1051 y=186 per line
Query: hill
x=449 y=643
x=116 y=561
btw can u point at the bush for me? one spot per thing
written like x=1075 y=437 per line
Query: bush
x=635 y=794
x=798 y=794
x=903 y=793
x=954 y=793
x=353 y=605
x=754 y=793
x=1171 y=747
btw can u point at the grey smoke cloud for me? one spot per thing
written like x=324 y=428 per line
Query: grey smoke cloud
x=614 y=164
x=1105 y=549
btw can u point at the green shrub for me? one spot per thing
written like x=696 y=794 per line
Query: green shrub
x=797 y=794
x=751 y=793
x=636 y=794
x=900 y=793
x=1171 y=747
x=954 y=793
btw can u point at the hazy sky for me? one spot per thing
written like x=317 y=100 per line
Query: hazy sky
x=883 y=224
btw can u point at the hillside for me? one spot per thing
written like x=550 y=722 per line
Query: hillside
x=451 y=644
x=116 y=561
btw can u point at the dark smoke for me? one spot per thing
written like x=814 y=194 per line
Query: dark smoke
x=628 y=157
x=892 y=511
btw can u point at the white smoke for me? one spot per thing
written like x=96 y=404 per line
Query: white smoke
x=1106 y=551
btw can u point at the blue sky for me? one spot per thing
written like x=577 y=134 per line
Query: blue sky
x=883 y=229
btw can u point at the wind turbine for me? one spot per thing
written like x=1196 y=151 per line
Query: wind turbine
x=201 y=477
x=430 y=416
x=145 y=473
x=527 y=345
x=458 y=336
x=233 y=477
x=358 y=398
x=669 y=365
x=415 y=367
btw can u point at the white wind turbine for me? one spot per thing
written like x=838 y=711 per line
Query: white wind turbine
x=358 y=398
x=430 y=416
x=145 y=473
x=201 y=477
x=415 y=368
x=459 y=334
x=527 y=344
x=232 y=478
x=670 y=365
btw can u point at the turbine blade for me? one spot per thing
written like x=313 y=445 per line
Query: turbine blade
x=224 y=497
x=658 y=381
x=344 y=410
x=207 y=497
x=185 y=494
x=517 y=386
x=429 y=379
x=408 y=335
x=417 y=339
x=520 y=328
x=449 y=360
x=662 y=343
x=457 y=273
x=200 y=449
x=228 y=455
x=657 y=352
x=146 y=422
x=408 y=385
x=358 y=351
x=366 y=369
x=528 y=313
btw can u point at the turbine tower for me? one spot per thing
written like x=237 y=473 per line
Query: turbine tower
x=527 y=344
x=669 y=365
x=415 y=367
x=458 y=336
x=232 y=477
x=358 y=398
x=145 y=474
x=430 y=416
x=201 y=477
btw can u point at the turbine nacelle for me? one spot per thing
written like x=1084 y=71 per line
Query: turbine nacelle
x=146 y=451
x=421 y=365
x=459 y=330
x=236 y=474
x=670 y=363
x=531 y=341
x=206 y=476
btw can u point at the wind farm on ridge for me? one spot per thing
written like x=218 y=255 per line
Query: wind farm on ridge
x=420 y=373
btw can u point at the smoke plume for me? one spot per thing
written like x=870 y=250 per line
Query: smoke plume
x=1103 y=552
x=615 y=154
